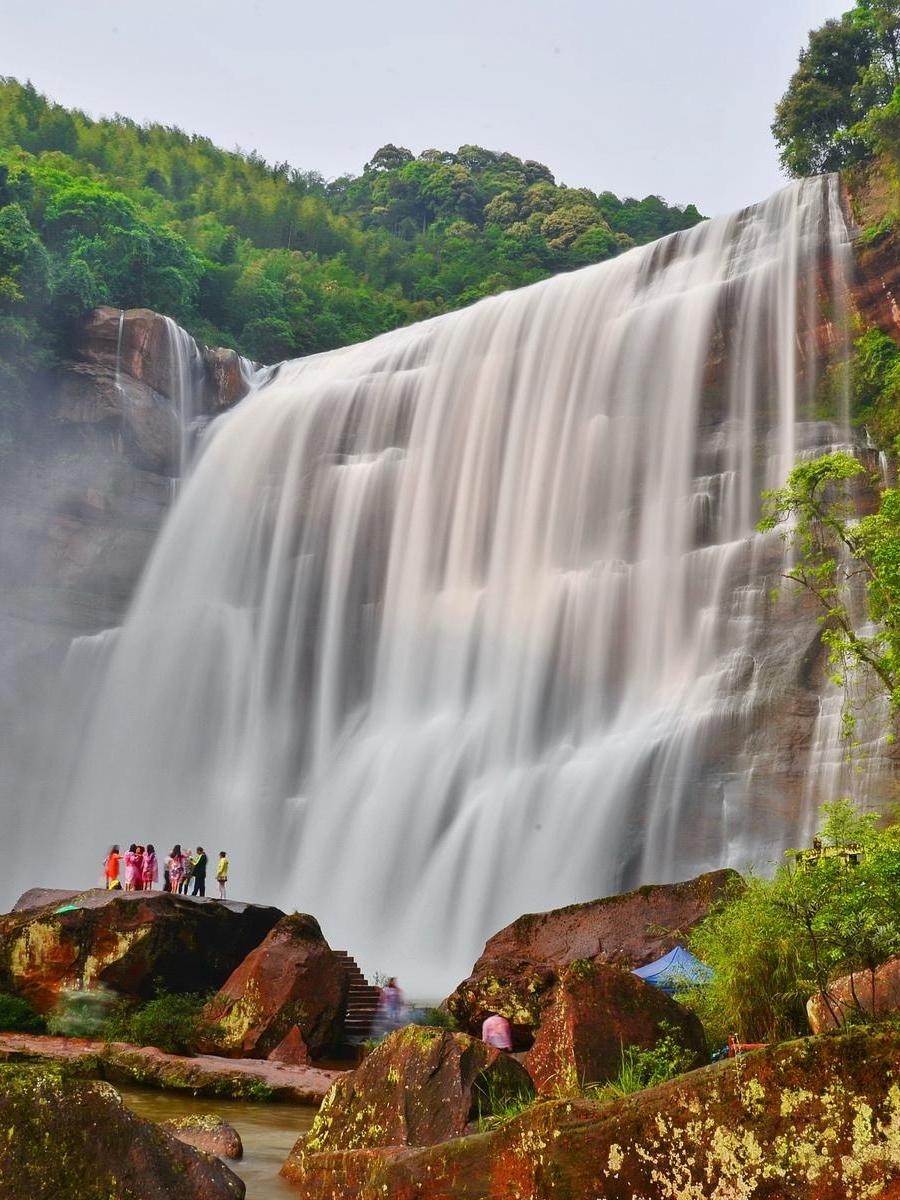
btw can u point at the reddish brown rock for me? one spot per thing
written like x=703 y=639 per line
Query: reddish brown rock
x=809 y=1120
x=519 y=964
x=129 y=942
x=589 y=1015
x=292 y=978
x=418 y=1087
x=875 y=994
x=66 y=1139
x=291 y=1050
x=207 y=1132
x=226 y=380
x=135 y=342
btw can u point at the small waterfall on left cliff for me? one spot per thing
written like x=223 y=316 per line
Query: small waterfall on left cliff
x=471 y=619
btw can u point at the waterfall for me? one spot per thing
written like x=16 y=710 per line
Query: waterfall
x=185 y=381
x=471 y=619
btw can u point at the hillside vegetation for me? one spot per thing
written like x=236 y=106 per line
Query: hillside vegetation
x=263 y=257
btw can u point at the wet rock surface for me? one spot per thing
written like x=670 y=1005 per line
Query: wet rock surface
x=291 y=980
x=810 y=1120
x=68 y=1139
x=200 y=1075
x=125 y=941
x=418 y=1087
x=207 y=1132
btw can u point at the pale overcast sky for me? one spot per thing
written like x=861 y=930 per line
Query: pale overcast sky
x=672 y=98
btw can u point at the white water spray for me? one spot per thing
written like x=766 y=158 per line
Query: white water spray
x=471 y=619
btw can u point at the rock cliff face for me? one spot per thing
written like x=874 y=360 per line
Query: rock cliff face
x=82 y=500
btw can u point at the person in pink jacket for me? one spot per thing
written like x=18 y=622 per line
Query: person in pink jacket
x=496 y=1031
x=150 y=873
x=131 y=875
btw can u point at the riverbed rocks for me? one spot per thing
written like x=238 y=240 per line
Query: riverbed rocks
x=292 y=979
x=873 y=993
x=418 y=1087
x=520 y=965
x=589 y=1014
x=128 y=942
x=206 y=1132
x=815 y=1119
x=75 y=1139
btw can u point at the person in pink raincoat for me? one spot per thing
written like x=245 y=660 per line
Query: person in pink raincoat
x=139 y=869
x=175 y=865
x=131 y=875
x=150 y=872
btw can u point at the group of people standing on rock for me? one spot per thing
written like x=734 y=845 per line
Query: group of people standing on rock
x=181 y=869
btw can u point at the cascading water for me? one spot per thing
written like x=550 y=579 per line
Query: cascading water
x=186 y=375
x=471 y=619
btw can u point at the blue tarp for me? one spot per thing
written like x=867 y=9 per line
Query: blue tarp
x=674 y=970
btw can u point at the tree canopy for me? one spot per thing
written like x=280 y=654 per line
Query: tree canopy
x=264 y=257
x=847 y=73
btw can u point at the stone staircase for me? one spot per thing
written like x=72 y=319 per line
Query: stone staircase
x=362 y=1001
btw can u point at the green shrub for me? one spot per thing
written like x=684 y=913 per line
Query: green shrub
x=644 y=1068
x=81 y=1012
x=17 y=1015
x=170 y=1023
x=437 y=1018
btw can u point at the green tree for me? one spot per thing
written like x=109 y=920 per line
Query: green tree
x=774 y=943
x=815 y=115
x=837 y=556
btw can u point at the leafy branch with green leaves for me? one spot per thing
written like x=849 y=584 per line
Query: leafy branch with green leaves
x=843 y=561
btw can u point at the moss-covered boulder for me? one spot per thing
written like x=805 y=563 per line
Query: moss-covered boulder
x=418 y=1087
x=873 y=993
x=590 y=1013
x=817 y=1119
x=292 y=978
x=67 y=1139
x=521 y=962
x=207 y=1132
x=130 y=942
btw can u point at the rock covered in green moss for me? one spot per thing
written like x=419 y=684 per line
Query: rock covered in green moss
x=130 y=942
x=418 y=1087
x=67 y=1139
x=589 y=1014
x=293 y=978
x=817 y=1119
x=207 y=1132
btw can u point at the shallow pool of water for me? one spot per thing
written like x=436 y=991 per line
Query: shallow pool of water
x=268 y=1132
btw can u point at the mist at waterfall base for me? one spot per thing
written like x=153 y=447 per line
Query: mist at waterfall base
x=470 y=620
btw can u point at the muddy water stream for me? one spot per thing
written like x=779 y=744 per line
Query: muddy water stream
x=268 y=1132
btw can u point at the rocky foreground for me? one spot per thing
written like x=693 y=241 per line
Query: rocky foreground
x=68 y=1139
x=817 y=1119
x=430 y=1113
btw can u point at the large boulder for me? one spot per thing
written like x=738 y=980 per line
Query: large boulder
x=876 y=994
x=809 y=1120
x=589 y=1015
x=71 y=1139
x=292 y=979
x=520 y=964
x=207 y=1132
x=129 y=942
x=418 y=1087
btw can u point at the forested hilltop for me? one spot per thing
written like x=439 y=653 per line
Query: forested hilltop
x=268 y=259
